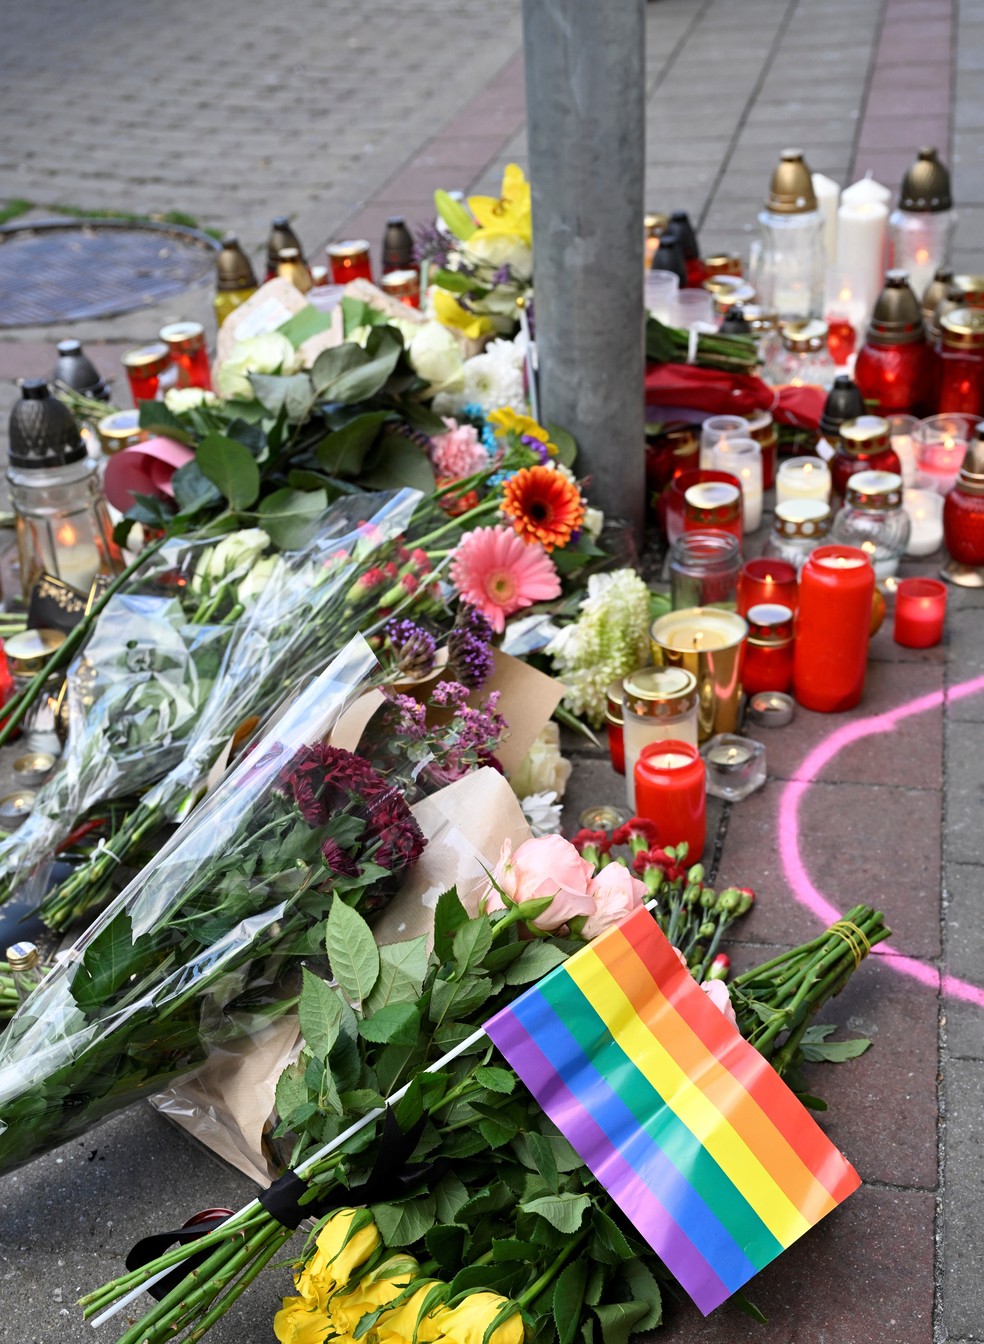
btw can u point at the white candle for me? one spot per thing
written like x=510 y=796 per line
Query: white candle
x=925 y=510
x=862 y=240
x=742 y=458
x=905 y=450
x=827 y=193
x=866 y=190
x=803 y=478
x=76 y=562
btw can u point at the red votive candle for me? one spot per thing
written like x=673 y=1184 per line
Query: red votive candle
x=833 y=621
x=670 y=790
x=713 y=504
x=186 y=342
x=765 y=580
x=920 y=608
x=614 y=723
x=769 y=649
x=350 y=260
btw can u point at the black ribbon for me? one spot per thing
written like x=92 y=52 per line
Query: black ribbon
x=389 y=1178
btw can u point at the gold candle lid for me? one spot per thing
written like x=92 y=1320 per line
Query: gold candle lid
x=926 y=185
x=770 y=625
x=22 y=956
x=802 y=518
x=897 y=316
x=613 y=702
x=791 y=190
x=348 y=249
x=147 y=360
x=803 y=337
x=660 y=692
x=28 y=652
x=183 y=337
x=866 y=434
x=971 y=478
x=119 y=430
x=873 y=491
x=963 y=328
x=400 y=283
x=654 y=223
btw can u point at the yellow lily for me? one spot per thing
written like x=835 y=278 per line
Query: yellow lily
x=509 y=212
x=448 y=310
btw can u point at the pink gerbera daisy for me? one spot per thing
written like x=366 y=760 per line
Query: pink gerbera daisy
x=498 y=573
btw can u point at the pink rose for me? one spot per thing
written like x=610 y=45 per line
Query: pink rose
x=546 y=866
x=616 y=893
x=717 y=992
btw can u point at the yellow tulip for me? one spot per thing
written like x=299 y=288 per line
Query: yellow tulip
x=345 y=1242
x=448 y=310
x=468 y=1321
x=348 y=1306
x=509 y=212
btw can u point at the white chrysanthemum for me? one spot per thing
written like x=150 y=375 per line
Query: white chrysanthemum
x=543 y=813
x=492 y=383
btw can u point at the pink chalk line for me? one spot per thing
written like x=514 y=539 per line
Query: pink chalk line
x=789 y=848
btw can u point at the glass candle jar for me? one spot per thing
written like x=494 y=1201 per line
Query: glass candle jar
x=920 y=610
x=704 y=569
x=743 y=458
x=713 y=504
x=769 y=652
x=615 y=724
x=144 y=367
x=719 y=429
x=941 y=443
x=862 y=445
x=119 y=430
x=963 y=522
x=803 y=478
x=350 y=260
x=762 y=428
x=799 y=526
x=674 y=498
x=403 y=285
x=659 y=703
x=874 y=520
x=893 y=377
x=833 y=622
x=901 y=436
x=186 y=343
x=735 y=766
x=670 y=792
x=803 y=356
x=960 y=354
x=769 y=581
x=710 y=643
x=292 y=268
x=925 y=510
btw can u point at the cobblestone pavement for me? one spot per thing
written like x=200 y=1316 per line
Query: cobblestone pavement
x=341 y=114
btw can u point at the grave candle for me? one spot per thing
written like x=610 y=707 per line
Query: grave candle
x=670 y=791
x=766 y=580
x=832 y=627
x=920 y=609
x=769 y=655
x=925 y=510
x=710 y=643
x=803 y=478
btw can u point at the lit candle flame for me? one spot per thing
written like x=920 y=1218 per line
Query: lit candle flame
x=66 y=535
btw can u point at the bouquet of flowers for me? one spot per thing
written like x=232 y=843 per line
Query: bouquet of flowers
x=193 y=950
x=478 y=1215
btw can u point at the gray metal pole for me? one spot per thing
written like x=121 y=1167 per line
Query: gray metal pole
x=585 y=100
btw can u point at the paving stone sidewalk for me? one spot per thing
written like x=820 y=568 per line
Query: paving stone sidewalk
x=341 y=114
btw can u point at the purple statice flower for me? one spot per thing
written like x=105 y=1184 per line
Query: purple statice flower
x=450 y=694
x=413 y=648
x=536 y=446
x=480 y=729
x=431 y=245
x=502 y=276
x=410 y=719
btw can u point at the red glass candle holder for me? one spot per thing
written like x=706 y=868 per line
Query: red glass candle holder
x=143 y=370
x=614 y=722
x=670 y=789
x=893 y=377
x=350 y=260
x=675 y=497
x=862 y=445
x=765 y=580
x=960 y=362
x=769 y=651
x=833 y=622
x=841 y=338
x=920 y=609
x=186 y=342
x=713 y=505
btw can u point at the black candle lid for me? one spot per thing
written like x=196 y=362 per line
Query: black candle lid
x=43 y=432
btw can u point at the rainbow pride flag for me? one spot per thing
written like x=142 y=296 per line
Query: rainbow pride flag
x=694 y=1135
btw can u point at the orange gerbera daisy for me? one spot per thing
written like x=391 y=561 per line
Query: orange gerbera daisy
x=544 y=504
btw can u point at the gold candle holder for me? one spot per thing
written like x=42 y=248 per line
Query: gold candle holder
x=710 y=643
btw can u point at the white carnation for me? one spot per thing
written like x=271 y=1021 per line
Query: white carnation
x=491 y=384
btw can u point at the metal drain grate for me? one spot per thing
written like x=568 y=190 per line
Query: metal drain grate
x=55 y=272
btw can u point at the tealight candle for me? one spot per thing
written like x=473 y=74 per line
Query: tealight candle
x=925 y=510
x=670 y=791
x=771 y=709
x=920 y=609
x=33 y=768
x=803 y=478
x=718 y=429
x=15 y=808
x=713 y=504
x=735 y=766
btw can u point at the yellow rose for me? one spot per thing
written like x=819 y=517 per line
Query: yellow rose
x=448 y=310
x=468 y=1321
x=298 y=1323
x=410 y=1320
x=387 y=1281
x=346 y=1241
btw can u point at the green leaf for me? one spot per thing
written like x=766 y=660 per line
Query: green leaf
x=470 y=944
x=564 y=1212
x=156 y=418
x=291 y=396
x=402 y=967
x=511 y=1248
x=749 y=1308
x=419 y=416
x=497 y=1132
x=456 y=282
x=452 y=1000
x=612 y=1246
x=352 y=952
x=538 y=958
x=402 y=1224
x=566 y=443
x=347 y=373
x=455 y=214
x=193 y=490
x=449 y=916
x=491 y=1278
x=320 y=1014
x=809 y=1100
x=398 y=461
x=397 y=1024
x=568 y=1299
x=232 y=467
x=644 y=1288
x=109 y=961
x=619 y=1320
x=446 y=1244
x=150 y=510
x=495 y=1079
x=450 y=1195
x=305 y=324
x=543 y=1157
x=816 y=1048
x=342 y=453
x=290 y=517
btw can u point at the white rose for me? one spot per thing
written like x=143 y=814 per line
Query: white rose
x=594 y=521
x=256 y=579
x=543 y=768
x=500 y=249
x=436 y=357
x=270 y=353
x=238 y=551
x=178 y=399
